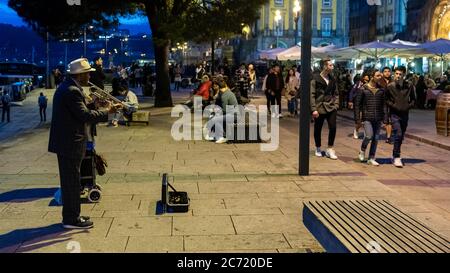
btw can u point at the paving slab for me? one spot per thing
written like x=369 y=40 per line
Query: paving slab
x=154 y=244
x=235 y=242
x=260 y=224
x=141 y=226
x=203 y=225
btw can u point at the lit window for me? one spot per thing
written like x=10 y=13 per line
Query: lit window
x=327 y=3
x=279 y=2
x=326 y=26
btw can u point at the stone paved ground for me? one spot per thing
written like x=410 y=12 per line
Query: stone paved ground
x=242 y=199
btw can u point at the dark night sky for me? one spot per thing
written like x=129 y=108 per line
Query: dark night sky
x=135 y=25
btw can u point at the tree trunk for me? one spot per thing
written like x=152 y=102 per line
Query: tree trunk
x=163 y=97
x=213 y=65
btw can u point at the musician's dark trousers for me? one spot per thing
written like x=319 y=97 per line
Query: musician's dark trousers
x=69 y=172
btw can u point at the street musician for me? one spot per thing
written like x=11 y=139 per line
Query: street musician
x=69 y=137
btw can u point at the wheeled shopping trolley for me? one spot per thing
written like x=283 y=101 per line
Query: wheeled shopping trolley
x=90 y=190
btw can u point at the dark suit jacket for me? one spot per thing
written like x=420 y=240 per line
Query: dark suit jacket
x=70 y=117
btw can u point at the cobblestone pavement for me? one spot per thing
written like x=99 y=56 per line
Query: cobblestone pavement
x=242 y=199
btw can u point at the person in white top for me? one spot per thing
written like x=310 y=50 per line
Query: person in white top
x=252 y=74
x=130 y=100
x=264 y=89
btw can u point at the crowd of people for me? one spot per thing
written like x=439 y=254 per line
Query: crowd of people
x=379 y=98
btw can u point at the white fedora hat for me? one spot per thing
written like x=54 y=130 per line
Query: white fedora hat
x=79 y=66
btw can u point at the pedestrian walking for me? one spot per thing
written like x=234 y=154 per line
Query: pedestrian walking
x=352 y=97
x=266 y=91
x=252 y=78
x=178 y=77
x=42 y=102
x=6 y=106
x=400 y=98
x=387 y=79
x=275 y=85
x=370 y=109
x=324 y=106
x=292 y=87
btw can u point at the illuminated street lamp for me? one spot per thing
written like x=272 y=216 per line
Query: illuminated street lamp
x=84 y=39
x=277 y=20
x=297 y=8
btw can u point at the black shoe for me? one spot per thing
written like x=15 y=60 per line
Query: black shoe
x=81 y=223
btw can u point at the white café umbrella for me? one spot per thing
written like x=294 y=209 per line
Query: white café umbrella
x=401 y=42
x=440 y=47
x=375 y=50
x=379 y=49
x=294 y=53
x=270 y=54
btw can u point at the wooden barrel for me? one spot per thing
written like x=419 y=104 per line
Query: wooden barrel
x=443 y=114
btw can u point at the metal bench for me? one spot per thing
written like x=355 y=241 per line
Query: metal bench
x=375 y=226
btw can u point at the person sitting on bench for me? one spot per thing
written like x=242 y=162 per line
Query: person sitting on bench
x=130 y=100
x=203 y=91
x=219 y=121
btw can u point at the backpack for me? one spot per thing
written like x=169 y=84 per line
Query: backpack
x=6 y=99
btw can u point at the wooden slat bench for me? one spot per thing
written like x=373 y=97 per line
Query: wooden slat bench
x=363 y=226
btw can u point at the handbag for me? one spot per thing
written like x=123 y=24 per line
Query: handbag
x=100 y=164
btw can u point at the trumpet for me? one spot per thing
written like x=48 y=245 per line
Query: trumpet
x=105 y=96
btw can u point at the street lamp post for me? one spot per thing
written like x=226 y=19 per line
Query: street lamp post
x=84 y=42
x=47 y=65
x=296 y=11
x=277 y=20
x=305 y=104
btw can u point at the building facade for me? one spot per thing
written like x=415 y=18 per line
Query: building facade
x=362 y=22
x=391 y=19
x=434 y=21
x=277 y=25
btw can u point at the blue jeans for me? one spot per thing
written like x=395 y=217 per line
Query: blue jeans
x=399 y=125
x=372 y=132
x=292 y=105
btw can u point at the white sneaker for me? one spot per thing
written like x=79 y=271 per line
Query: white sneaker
x=355 y=134
x=331 y=154
x=280 y=115
x=373 y=162
x=318 y=152
x=209 y=138
x=221 y=140
x=398 y=162
x=362 y=156
x=206 y=134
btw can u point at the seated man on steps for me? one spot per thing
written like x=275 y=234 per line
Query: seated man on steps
x=130 y=100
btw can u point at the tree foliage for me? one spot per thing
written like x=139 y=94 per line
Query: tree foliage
x=171 y=21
